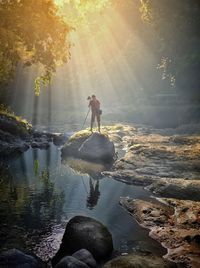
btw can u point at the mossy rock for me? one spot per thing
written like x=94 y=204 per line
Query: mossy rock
x=15 y=126
x=95 y=147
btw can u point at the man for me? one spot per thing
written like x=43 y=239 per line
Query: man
x=96 y=112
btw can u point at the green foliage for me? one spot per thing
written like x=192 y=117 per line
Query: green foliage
x=31 y=32
x=4 y=109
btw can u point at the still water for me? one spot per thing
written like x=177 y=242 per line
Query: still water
x=39 y=194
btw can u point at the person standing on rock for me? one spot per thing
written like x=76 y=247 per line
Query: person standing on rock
x=96 y=111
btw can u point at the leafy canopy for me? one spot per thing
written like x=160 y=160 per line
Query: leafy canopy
x=32 y=32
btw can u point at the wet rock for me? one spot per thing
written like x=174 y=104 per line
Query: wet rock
x=41 y=144
x=73 y=144
x=176 y=188
x=85 y=256
x=15 y=258
x=98 y=147
x=71 y=262
x=14 y=126
x=139 y=261
x=93 y=147
x=59 y=139
x=12 y=148
x=42 y=134
x=11 y=145
x=84 y=232
x=130 y=177
x=174 y=223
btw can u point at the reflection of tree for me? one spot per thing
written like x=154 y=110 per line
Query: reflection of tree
x=93 y=195
x=25 y=208
x=45 y=205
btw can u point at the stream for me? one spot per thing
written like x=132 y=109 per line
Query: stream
x=39 y=194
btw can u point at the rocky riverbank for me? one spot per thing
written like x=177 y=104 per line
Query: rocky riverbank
x=169 y=166
x=174 y=223
x=17 y=136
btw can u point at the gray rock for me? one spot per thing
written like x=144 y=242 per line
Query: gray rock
x=94 y=147
x=39 y=134
x=97 y=147
x=41 y=144
x=71 y=262
x=84 y=232
x=176 y=188
x=139 y=261
x=85 y=256
x=12 y=148
x=15 y=258
x=59 y=139
x=13 y=126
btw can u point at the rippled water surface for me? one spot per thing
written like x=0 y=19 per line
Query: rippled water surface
x=39 y=194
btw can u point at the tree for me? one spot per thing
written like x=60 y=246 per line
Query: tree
x=177 y=25
x=31 y=32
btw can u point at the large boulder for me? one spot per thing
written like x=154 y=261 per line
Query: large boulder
x=94 y=147
x=84 y=232
x=16 y=258
x=139 y=261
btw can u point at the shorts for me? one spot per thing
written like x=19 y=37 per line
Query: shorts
x=97 y=115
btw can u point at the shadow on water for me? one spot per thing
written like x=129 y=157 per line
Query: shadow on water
x=39 y=194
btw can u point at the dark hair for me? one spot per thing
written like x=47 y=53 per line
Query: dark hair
x=93 y=96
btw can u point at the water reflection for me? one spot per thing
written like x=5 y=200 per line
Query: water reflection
x=29 y=202
x=39 y=194
x=94 y=171
x=94 y=193
x=84 y=167
x=45 y=205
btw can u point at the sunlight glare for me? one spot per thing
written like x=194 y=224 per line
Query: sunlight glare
x=79 y=12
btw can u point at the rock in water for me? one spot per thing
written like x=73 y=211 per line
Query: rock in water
x=71 y=262
x=84 y=232
x=15 y=258
x=85 y=256
x=97 y=147
x=94 y=147
x=139 y=261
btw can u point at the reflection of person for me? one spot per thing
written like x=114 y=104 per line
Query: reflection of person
x=96 y=112
x=93 y=195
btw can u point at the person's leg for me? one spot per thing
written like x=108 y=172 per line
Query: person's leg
x=98 y=122
x=92 y=121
